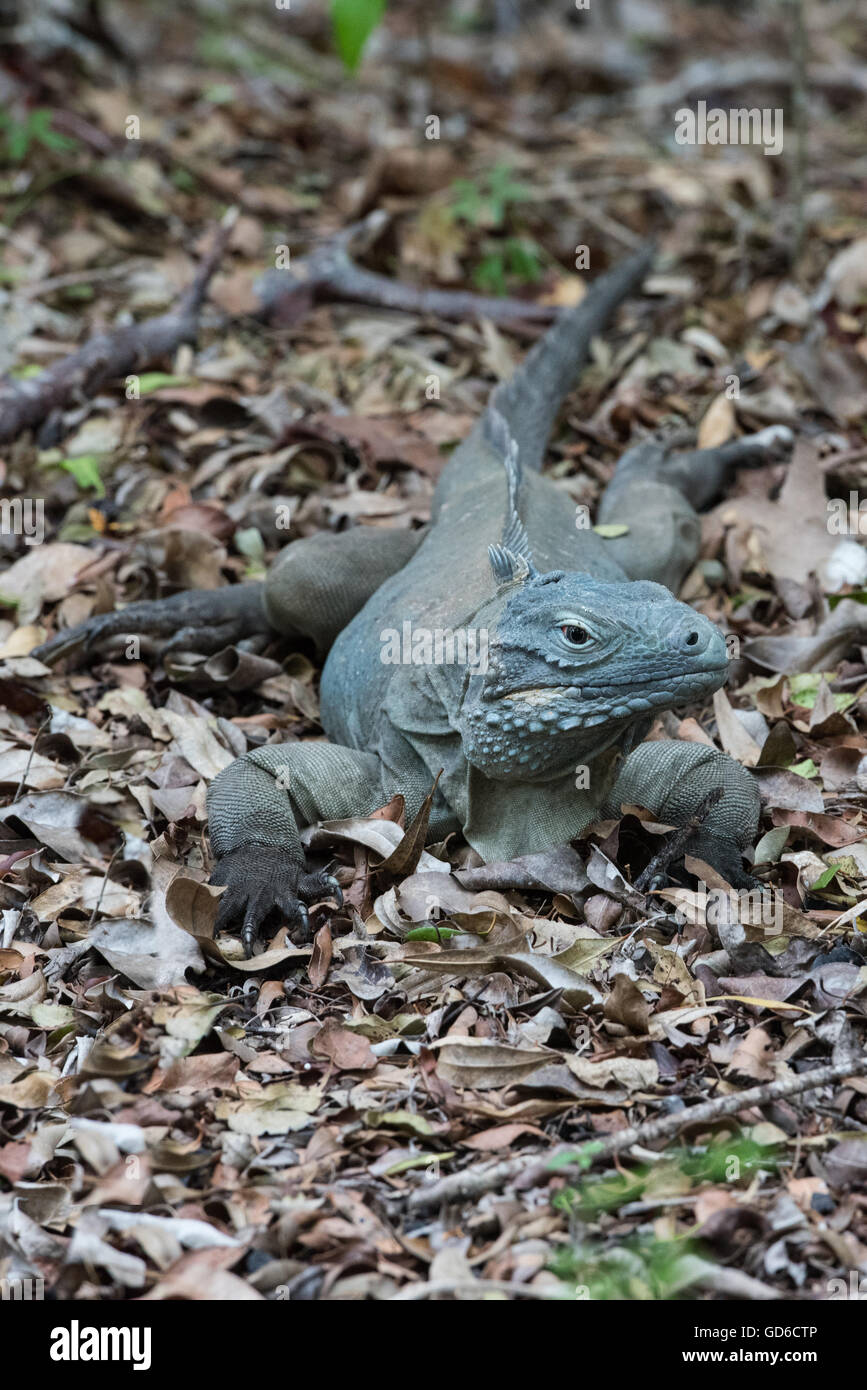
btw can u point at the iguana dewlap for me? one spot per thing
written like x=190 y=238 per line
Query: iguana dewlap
x=584 y=642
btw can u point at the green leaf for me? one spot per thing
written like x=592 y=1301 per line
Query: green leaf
x=466 y=200
x=859 y=596
x=523 y=257
x=85 y=470
x=34 y=129
x=183 y=180
x=804 y=688
x=745 y=596
x=490 y=274
x=578 y=1158
x=824 y=879
x=249 y=542
x=219 y=93
x=353 y=22
x=79 y=292
x=17 y=143
x=431 y=933
x=807 y=768
x=154 y=381
x=487 y=200
x=398 y=1119
x=417 y=1161
x=503 y=190
x=772 y=844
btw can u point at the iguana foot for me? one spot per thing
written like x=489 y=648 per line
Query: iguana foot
x=200 y=620
x=702 y=474
x=262 y=883
x=717 y=851
x=724 y=856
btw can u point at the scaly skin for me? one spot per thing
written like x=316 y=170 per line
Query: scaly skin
x=585 y=645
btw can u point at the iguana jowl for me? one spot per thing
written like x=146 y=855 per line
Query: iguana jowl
x=585 y=643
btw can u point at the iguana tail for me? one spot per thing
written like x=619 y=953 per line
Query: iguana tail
x=529 y=402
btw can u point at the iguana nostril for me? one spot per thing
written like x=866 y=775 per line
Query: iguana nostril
x=689 y=639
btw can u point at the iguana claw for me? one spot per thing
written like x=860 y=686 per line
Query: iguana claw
x=313 y=887
x=262 y=882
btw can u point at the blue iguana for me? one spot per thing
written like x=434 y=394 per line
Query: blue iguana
x=584 y=643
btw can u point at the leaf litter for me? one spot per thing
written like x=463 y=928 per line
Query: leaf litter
x=179 y=1122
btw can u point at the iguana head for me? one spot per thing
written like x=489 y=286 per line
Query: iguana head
x=576 y=665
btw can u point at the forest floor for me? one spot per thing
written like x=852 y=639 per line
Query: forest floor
x=370 y=1114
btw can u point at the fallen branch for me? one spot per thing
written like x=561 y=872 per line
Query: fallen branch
x=479 y=1288
x=734 y=1283
x=106 y=356
x=702 y=1274
x=755 y=1096
x=705 y=75
x=87 y=275
x=472 y=1182
x=329 y=273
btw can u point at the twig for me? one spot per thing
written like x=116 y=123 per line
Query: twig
x=798 y=41
x=106 y=356
x=472 y=1183
x=108 y=868
x=330 y=273
x=712 y=74
x=75 y=277
x=702 y=1273
x=26 y=773
x=414 y=1293
x=734 y=1283
x=675 y=844
x=652 y=1130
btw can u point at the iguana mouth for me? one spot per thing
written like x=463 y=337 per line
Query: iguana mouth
x=542 y=694
x=663 y=688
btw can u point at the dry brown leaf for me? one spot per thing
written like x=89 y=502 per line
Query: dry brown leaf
x=718 y=424
x=633 y=1073
x=483 y=1064
x=345 y=1049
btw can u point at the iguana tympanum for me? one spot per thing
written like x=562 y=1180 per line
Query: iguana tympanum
x=583 y=639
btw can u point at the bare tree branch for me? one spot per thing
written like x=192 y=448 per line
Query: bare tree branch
x=106 y=356
x=329 y=273
x=474 y=1182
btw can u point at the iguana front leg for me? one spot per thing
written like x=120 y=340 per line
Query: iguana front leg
x=671 y=780
x=255 y=809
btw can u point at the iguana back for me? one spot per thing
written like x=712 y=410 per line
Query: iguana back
x=536 y=736
x=449 y=578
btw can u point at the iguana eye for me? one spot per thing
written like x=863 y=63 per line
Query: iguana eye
x=576 y=636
